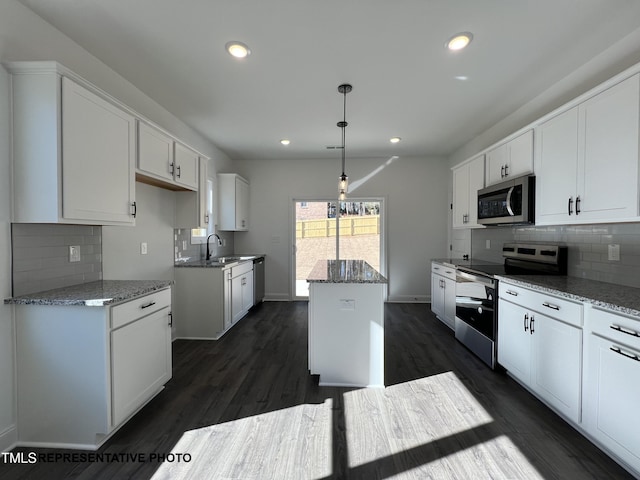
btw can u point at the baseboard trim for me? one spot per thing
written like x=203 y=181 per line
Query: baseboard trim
x=409 y=299
x=8 y=438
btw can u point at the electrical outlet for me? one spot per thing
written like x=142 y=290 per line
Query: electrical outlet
x=614 y=252
x=347 y=304
x=143 y=248
x=74 y=253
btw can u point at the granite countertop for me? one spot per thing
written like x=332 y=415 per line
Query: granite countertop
x=344 y=271
x=201 y=263
x=93 y=294
x=614 y=297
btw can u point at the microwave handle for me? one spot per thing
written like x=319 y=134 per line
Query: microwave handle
x=509 y=209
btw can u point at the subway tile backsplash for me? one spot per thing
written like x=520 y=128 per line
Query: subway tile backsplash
x=40 y=255
x=588 y=248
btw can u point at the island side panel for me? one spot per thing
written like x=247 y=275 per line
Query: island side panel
x=346 y=333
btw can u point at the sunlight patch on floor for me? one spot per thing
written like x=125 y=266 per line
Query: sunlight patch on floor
x=432 y=427
x=293 y=443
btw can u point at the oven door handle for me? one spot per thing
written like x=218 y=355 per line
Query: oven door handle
x=509 y=209
x=475 y=278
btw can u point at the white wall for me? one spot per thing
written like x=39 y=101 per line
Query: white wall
x=415 y=192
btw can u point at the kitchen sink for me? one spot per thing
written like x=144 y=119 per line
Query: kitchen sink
x=230 y=259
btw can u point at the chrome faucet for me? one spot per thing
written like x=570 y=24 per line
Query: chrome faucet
x=208 y=257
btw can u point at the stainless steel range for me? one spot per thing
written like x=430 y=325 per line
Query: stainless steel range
x=476 y=323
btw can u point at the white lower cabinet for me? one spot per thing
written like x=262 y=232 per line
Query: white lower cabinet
x=209 y=301
x=542 y=350
x=82 y=372
x=443 y=293
x=612 y=384
x=241 y=290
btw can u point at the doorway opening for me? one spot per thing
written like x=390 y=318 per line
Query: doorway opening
x=329 y=230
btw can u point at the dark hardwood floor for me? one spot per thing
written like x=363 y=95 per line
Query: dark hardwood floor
x=444 y=414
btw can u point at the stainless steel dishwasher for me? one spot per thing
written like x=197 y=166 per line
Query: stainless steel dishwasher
x=258 y=280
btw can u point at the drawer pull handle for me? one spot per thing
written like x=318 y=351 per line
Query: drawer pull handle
x=551 y=305
x=625 y=354
x=510 y=292
x=448 y=271
x=150 y=304
x=618 y=328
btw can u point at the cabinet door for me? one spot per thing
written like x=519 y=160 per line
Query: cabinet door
x=186 y=166
x=612 y=390
x=242 y=205
x=140 y=363
x=247 y=291
x=449 y=300
x=155 y=152
x=476 y=182
x=236 y=299
x=460 y=196
x=608 y=174
x=497 y=159
x=98 y=158
x=514 y=340
x=520 y=161
x=437 y=296
x=557 y=365
x=556 y=168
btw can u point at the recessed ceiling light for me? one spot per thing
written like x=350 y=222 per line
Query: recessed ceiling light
x=395 y=139
x=459 y=41
x=285 y=141
x=462 y=78
x=238 y=49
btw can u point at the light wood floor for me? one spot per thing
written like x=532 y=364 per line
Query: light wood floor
x=245 y=407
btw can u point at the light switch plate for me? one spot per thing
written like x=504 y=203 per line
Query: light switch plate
x=74 y=253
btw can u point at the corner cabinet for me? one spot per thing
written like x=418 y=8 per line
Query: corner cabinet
x=74 y=150
x=586 y=153
x=233 y=202
x=83 y=371
x=468 y=178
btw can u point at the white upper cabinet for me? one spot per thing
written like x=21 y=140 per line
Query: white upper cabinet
x=74 y=150
x=511 y=159
x=468 y=178
x=587 y=159
x=186 y=166
x=165 y=162
x=155 y=152
x=233 y=202
x=195 y=209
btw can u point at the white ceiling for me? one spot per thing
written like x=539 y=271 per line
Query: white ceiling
x=391 y=51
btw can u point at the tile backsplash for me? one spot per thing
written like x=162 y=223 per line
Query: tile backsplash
x=588 y=248
x=40 y=254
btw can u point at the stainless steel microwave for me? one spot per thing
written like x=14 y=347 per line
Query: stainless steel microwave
x=508 y=203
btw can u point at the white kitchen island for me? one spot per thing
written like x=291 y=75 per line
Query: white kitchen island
x=346 y=323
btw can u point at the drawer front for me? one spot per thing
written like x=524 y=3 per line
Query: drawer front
x=139 y=307
x=241 y=269
x=550 y=305
x=443 y=270
x=617 y=327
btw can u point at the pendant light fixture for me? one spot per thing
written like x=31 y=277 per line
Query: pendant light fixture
x=344 y=180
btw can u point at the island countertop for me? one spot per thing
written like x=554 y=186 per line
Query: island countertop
x=344 y=271
x=93 y=294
